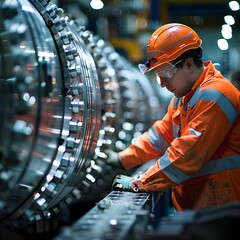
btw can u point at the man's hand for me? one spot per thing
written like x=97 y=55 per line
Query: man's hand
x=113 y=159
x=122 y=183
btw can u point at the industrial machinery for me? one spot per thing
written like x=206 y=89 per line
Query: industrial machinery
x=66 y=96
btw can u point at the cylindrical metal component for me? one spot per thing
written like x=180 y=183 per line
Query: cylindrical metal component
x=65 y=97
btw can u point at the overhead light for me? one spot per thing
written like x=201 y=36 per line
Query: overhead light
x=96 y=4
x=234 y=5
x=226 y=31
x=226 y=34
x=222 y=44
x=227 y=28
x=229 y=20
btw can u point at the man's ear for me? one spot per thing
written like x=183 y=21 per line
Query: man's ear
x=189 y=62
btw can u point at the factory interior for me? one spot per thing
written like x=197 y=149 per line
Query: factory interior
x=70 y=89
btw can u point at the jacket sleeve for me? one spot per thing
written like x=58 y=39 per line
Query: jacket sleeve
x=149 y=145
x=200 y=140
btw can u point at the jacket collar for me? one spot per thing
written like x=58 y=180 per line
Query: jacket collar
x=208 y=72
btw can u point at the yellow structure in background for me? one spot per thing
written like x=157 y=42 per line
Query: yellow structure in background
x=129 y=47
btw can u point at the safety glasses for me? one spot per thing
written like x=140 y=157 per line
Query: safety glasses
x=169 y=72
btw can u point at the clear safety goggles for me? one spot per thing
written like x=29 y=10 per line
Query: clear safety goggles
x=143 y=67
x=169 y=72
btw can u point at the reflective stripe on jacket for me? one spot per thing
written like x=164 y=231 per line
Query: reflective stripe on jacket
x=198 y=142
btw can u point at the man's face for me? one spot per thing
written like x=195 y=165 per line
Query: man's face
x=178 y=80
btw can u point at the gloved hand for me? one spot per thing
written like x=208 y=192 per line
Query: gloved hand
x=122 y=183
x=113 y=159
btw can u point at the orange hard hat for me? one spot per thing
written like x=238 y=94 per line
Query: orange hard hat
x=167 y=43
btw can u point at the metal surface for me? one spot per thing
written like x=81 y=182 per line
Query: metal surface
x=65 y=97
x=113 y=217
x=53 y=115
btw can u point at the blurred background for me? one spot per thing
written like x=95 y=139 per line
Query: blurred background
x=127 y=25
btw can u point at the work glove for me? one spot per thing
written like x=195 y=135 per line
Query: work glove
x=124 y=183
x=113 y=159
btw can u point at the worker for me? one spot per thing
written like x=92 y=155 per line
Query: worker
x=196 y=144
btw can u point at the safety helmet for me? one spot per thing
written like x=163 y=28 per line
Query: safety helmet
x=167 y=43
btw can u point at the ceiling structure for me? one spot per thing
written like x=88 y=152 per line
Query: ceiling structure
x=200 y=12
x=117 y=21
x=197 y=13
x=205 y=13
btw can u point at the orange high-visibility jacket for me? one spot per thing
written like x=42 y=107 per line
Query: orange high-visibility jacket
x=198 y=142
